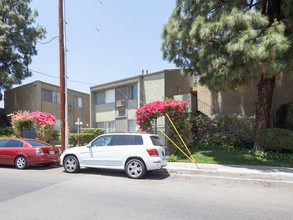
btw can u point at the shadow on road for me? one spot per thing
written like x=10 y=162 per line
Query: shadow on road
x=151 y=175
x=34 y=167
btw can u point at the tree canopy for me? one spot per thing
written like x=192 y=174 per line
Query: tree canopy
x=18 y=39
x=224 y=43
x=231 y=43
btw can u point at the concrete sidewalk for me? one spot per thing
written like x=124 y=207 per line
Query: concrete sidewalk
x=235 y=171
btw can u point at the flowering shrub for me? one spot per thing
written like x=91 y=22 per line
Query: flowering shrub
x=176 y=111
x=151 y=111
x=42 y=122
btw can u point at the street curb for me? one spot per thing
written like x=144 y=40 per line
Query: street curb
x=278 y=177
x=241 y=172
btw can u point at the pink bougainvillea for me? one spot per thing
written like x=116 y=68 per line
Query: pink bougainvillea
x=146 y=114
x=42 y=118
x=42 y=122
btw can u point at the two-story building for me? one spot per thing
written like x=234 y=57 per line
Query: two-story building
x=113 y=104
x=45 y=97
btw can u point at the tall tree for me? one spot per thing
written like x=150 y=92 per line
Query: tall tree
x=231 y=43
x=18 y=38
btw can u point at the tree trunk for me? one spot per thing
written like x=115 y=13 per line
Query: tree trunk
x=265 y=96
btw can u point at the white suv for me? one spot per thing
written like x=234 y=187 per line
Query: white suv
x=135 y=153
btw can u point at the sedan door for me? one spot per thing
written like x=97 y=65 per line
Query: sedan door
x=10 y=151
x=96 y=155
x=2 y=156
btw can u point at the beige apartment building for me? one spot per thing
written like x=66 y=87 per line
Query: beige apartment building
x=243 y=100
x=113 y=104
x=45 y=97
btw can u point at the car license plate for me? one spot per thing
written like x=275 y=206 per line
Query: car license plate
x=52 y=152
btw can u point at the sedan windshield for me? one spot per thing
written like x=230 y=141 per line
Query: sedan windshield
x=36 y=143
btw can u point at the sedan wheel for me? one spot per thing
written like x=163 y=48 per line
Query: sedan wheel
x=71 y=164
x=135 y=169
x=20 y=162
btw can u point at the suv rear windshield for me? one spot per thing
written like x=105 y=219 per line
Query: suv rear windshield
x=156 y=141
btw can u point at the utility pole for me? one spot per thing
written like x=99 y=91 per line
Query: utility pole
x=62 y=75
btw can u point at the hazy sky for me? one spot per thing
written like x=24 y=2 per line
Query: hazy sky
x=106 y=40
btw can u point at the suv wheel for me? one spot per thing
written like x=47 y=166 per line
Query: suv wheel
x=135 y=169
x=71 y=164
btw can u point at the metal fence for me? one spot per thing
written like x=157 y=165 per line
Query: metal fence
x=29 y=133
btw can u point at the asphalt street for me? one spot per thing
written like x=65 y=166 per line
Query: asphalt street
x=50 y=193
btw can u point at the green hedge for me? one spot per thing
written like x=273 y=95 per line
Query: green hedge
x=276 y=139
x=80 y=139
x=6 y=131
x=285 y=116
x=96 y=131
x=227 y=129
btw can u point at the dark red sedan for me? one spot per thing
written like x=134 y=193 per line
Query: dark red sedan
x=23 y=152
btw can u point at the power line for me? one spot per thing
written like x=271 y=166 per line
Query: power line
x=55 y=77
x=44 y=74
x=121 y=36
x=48 y=41
x=31 y=42
x=109 y=45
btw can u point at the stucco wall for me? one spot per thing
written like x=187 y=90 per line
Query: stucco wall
x=176 y=84
x=154 y=85
x=104 y=112
x=77 y=112
x=242 y=101
x=25 y=97
x=131 y=113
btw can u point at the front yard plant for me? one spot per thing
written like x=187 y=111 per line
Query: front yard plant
x=41 y=121
x=276 y=139
x=176 y=110
x=95 y=131
x=223 y=129
x=79 y=139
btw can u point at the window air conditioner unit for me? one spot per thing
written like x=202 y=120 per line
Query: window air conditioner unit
x=70 y=107
x=119 y=103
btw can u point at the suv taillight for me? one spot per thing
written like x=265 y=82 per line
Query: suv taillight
x=39 y=151
x=153 y=152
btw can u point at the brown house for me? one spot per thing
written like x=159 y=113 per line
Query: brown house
x=45 y=97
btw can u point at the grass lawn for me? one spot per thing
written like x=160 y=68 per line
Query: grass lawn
x=236 y=158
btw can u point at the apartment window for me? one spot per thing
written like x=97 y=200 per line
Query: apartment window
x=132 y=92
x=77 y=101
x=50 y=96
x=109 y=126
x=104 y=97
x=121 y=112
x=132 y=126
